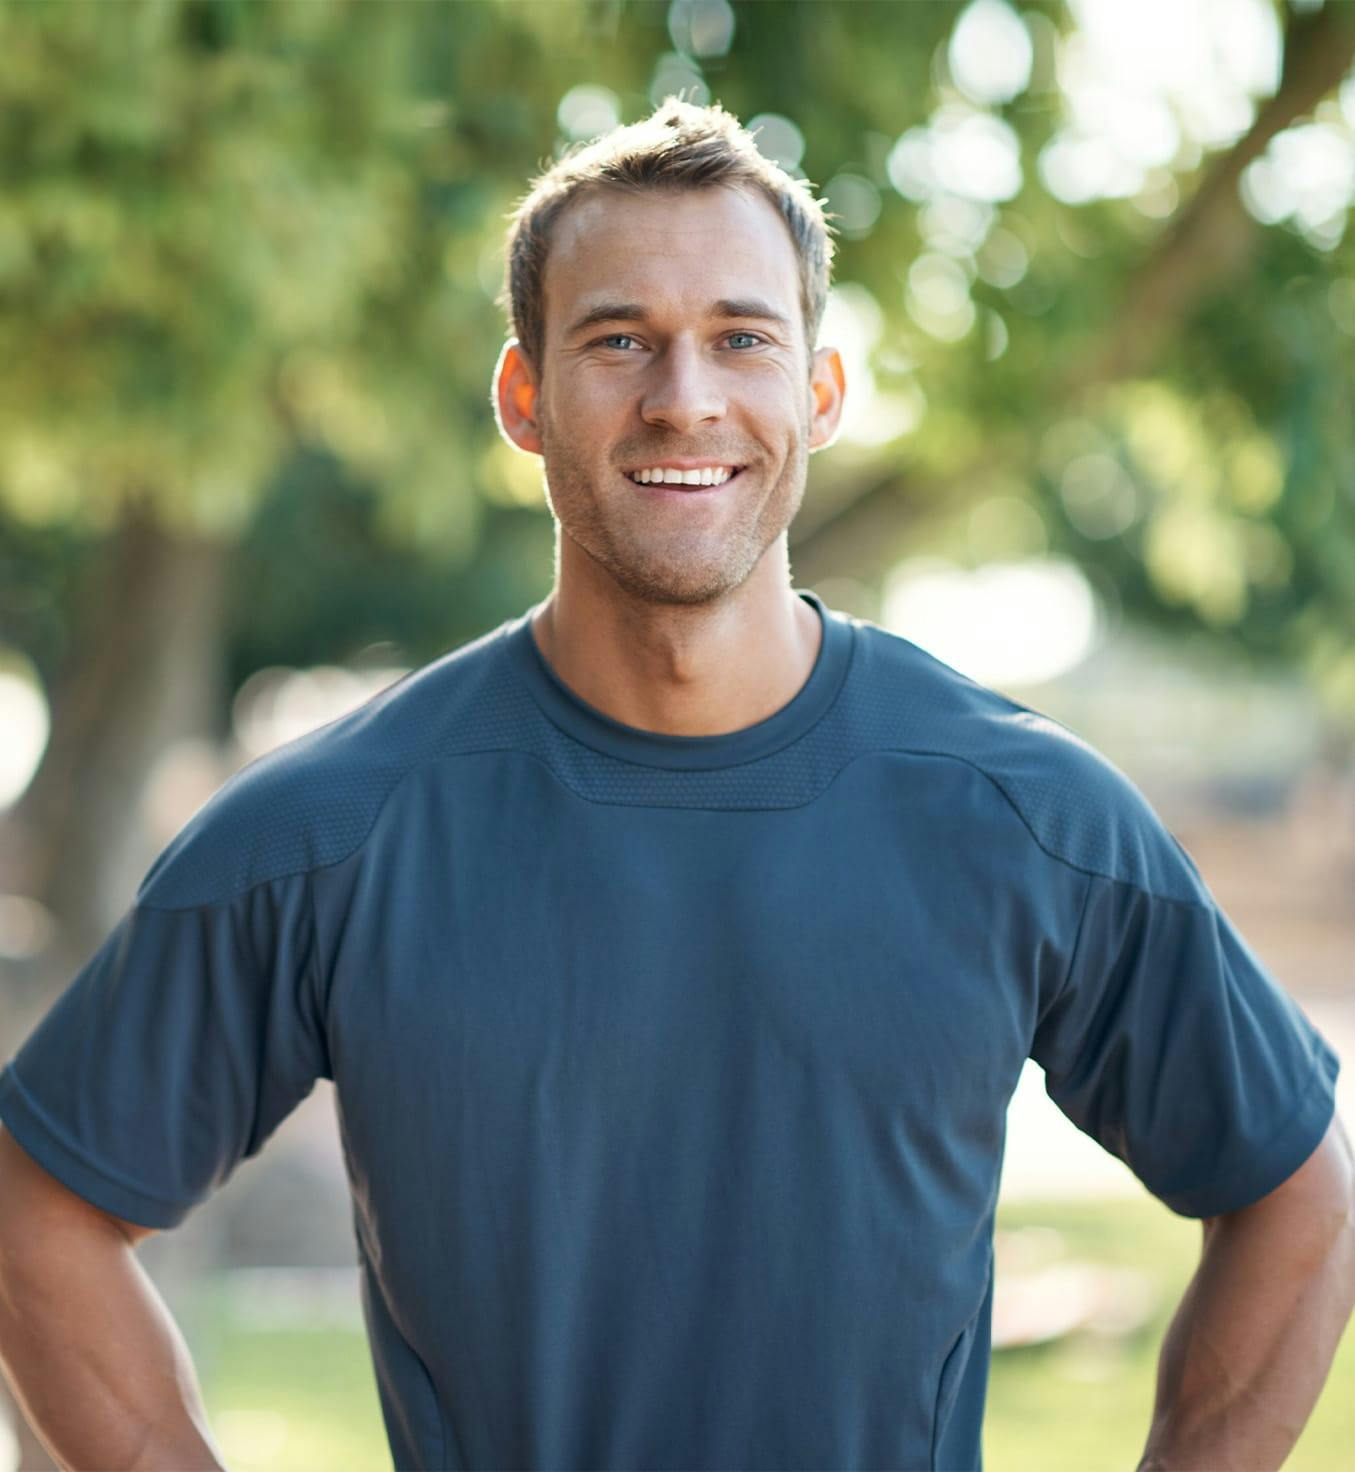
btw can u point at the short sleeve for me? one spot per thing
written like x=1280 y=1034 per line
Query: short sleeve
x=1172 y=1046
x=174 y=1053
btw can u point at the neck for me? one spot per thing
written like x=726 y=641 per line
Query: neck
x=680 y=669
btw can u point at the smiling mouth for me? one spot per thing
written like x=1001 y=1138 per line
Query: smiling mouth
x=684 y=485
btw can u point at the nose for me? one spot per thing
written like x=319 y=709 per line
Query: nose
x=682 y=390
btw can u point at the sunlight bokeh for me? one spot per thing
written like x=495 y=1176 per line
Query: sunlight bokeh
x=1003 y=624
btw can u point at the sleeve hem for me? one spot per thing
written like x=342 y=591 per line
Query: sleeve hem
x=40 y=1139
x=1277 y=1160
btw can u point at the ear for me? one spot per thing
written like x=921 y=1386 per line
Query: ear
x=828 y=385
x=515 y=397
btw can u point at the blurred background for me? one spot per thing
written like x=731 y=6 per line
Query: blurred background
x=1096 y=300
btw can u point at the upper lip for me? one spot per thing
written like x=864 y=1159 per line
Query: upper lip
x=683 y=463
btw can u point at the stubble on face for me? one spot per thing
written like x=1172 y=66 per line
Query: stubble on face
x=656 y=250
x=681 y=562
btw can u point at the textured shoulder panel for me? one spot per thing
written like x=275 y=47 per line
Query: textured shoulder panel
x=1078 y=806
x=312 y=801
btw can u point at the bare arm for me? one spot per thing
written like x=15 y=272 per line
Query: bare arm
x=88 y=1346
x=1250 y=1347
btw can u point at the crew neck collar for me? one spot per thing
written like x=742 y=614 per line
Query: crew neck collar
x=586 y=723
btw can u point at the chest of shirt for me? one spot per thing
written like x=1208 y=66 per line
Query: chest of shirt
x=888 y=938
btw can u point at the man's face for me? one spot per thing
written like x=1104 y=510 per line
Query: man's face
x=700 y=355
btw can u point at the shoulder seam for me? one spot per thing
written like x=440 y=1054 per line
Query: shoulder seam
x=304 y=873
x=480 y=751
x=414 y=766
x=1035 y=837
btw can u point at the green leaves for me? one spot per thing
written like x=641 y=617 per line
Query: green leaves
x=234 y=233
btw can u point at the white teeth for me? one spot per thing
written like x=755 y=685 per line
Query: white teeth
x=712 y=475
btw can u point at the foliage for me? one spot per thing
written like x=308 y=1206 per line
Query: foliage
x=238 y=241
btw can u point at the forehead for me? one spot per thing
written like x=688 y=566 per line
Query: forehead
x=676 y=251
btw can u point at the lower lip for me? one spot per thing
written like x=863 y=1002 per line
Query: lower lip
x=684 y=493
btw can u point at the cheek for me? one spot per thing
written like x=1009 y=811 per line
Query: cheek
x=585 y=435
x=592 y=395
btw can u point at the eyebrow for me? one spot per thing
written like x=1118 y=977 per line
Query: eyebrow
x=725 y=308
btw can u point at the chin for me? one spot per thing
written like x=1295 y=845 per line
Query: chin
x=688 y=586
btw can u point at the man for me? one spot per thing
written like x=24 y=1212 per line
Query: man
x=674 y=949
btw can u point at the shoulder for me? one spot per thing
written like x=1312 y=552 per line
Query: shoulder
x=312 y=801
x=1078 y=806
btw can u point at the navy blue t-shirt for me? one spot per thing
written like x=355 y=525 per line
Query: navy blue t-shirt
x=673 y=1071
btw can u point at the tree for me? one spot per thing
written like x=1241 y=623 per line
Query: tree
x=249 y=252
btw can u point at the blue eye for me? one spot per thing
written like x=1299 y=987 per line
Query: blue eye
x=614 y=337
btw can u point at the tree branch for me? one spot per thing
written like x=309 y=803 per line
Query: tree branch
x=1194 y=258
x=1210 y=238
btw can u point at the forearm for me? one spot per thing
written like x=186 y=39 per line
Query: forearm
x=94 y=1356
x=1252 y=1341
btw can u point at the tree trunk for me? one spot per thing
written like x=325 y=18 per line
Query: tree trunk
x=146 y=670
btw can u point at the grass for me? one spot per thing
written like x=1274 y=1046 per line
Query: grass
x=296 y=1400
